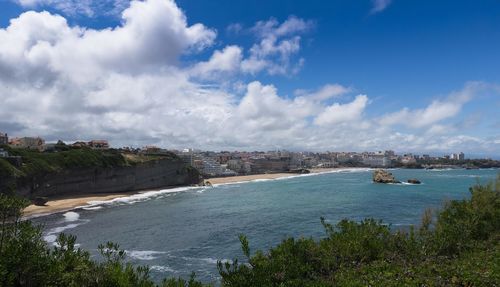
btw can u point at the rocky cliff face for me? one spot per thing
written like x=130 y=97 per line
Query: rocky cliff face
x=149 y=175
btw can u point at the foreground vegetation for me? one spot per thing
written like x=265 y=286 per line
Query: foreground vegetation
x=457 y=246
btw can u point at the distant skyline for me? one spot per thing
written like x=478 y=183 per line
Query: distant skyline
x=410 y=76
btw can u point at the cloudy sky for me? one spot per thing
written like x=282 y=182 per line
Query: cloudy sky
x=416 y=76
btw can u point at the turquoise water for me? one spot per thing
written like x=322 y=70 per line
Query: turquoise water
x=179 y=231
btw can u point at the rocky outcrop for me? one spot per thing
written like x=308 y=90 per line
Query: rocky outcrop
x=383 y=176
x=153 y=174
x=414 y=181
x=40 y=200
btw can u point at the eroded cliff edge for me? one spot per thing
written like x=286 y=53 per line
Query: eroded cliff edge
x=90 y=172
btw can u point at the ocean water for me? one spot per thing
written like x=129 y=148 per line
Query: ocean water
x=182 y=230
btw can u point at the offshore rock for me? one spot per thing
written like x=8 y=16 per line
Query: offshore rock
x=382 y=176
x=414 y=181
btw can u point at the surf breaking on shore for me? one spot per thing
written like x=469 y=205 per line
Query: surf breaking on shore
x=96 y=201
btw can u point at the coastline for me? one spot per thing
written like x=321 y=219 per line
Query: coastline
x=63 y=204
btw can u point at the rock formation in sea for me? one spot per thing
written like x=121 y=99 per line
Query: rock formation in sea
x=383 y=176
x=413 y=181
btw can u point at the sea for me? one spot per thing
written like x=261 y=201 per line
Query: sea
x=183 y=230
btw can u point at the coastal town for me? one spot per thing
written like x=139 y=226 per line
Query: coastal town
x=232 y=163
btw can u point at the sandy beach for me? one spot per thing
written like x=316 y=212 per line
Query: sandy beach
x=64 y=204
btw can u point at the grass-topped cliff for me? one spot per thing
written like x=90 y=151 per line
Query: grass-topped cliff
x=34 y=163
x=456 y=246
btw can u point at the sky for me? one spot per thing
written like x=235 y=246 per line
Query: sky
x=358 y=75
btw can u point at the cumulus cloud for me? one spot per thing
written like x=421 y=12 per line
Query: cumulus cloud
x=226 y=61
x=153 y=35
x=341 y=113
x=437 y=111
x=278 y=44
x=129 y=84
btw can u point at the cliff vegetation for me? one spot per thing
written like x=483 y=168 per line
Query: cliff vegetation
x=25 y=164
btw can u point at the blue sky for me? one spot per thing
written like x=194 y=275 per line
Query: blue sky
x=417 y=76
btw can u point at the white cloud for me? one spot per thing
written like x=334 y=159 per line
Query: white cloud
x=129 y=84
x=379 y=5
x=153 y=35
x=326 y=92
x=342 y=113
x=437 y=111
x=226 y=61
x=278 y=44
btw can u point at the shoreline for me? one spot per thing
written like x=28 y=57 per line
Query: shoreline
x=63 y=204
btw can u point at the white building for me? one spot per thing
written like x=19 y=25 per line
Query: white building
x=375 y=161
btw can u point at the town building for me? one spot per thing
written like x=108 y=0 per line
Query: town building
x=79 y=144
x=264 y=165
x=28 y=142
x=151 y=149
x=4 y=139
x=98 y=144
x=376 y=161
x=457 y=156
x=408 y=159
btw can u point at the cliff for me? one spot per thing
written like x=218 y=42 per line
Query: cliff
x=98 y=176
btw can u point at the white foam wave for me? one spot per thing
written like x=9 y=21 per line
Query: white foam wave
x=442 y=169
x=92 y=208
x=51 y=235
x=71 y=216
x=214 y=261
x=139 y=197
x=143 y=254
x=207 y=260
x=406 y=183
x=161 y=268
x=340 y=170
x=50 y=238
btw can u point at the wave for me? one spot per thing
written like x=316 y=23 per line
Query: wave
x=71 y=216
x=340 y=170
x=51 y=236
x=139 y=197
x=161 y=268
x=92 y=208
x=406 y=183
x=143 y=254
x=206 y=259
x=442 y=169
x=144 y=196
